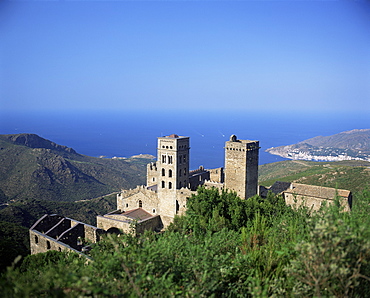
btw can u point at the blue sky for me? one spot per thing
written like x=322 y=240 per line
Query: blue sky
x=172 y=55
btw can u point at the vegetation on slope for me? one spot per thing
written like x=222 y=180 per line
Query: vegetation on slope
x=265 y=248
x=351 y=175
x=34 y=168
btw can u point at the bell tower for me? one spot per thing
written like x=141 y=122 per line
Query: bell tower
x=173 y=162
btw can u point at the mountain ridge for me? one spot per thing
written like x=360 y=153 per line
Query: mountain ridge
x=58 y=173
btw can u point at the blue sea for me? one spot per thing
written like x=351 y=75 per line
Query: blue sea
x=127 y=133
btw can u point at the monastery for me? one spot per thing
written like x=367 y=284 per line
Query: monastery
x=169 y=184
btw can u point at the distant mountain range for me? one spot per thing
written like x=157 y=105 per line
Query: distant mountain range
x=32 y=167
x=348 y=145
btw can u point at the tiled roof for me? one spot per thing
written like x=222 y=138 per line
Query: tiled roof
x=317 y=191
x=138 y=214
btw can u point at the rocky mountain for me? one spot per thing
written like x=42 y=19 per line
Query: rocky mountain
x=32 y=167
x=348 y=145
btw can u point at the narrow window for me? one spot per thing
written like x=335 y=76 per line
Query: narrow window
x=177 y=207
x=48 y=246
x=180 y=159
x=180 y=185
x=180 y=172
x=153 y=179
x=153 y=210
x=163 y=158
x=170 y=159
x=169 y=185
x=60 y=250
x=163 y=184
x=36 y=239
x=185 y=172
x=184 y=158
x=140 y=203
x=163 y=172
x=126 y=205
x=169 y=173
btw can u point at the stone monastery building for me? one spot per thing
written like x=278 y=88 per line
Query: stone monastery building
x=169 y=184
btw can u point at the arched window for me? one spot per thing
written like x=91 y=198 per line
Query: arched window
x=163 y=184
x=169 y=173
x=169 y=185
x=140 y=203
x=36 y=239
x=48 y=246
x=163 y=172
x=163 y=158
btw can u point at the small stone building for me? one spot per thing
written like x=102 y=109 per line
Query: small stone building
x=311 y=196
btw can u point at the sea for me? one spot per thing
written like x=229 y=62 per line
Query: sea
x=125 y=133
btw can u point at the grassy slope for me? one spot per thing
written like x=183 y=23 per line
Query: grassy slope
x=351 y=175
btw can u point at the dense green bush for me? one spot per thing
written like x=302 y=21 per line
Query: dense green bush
x=222 y=247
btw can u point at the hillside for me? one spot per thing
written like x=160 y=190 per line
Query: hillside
x=351 y=175
x=35 y=168
x=348 y=145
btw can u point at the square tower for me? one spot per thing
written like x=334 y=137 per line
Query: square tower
x=241 y=166
x=173 y=162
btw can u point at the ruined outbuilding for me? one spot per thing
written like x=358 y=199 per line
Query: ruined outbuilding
x=55 y=232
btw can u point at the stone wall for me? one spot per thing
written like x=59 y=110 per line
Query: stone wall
x=106 y=223
x=216 y=175
x=311 y=202
x=140 y=197
x=40 y=243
